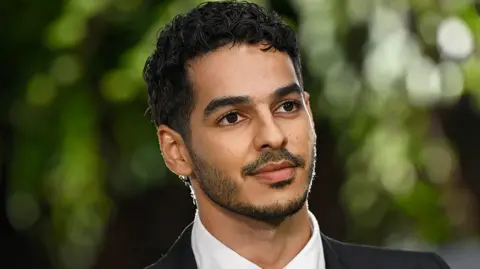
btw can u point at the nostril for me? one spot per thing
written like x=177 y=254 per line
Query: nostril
x=265 y=146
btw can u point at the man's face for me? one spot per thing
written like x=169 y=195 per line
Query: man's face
x=252 y=139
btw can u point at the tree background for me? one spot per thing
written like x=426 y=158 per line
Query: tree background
x=82 y=180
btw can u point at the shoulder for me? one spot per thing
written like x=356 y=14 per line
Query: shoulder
x=354 y=255
x=166 y=261
x=163 y=263
x=170 y=260
x=180 y=254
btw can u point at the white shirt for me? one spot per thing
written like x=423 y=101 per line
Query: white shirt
x=213 y=254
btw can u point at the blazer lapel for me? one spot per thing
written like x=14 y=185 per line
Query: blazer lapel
x=332 y=260
x=181 y=256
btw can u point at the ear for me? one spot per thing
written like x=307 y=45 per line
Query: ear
x=174 y=151
x=306 y=98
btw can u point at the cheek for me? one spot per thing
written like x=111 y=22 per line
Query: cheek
x=301 y=139
x=223 y=152
x=300 y=131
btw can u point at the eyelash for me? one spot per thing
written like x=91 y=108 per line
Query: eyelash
x=296 y=103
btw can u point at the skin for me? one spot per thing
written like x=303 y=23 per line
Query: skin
x=265 y=222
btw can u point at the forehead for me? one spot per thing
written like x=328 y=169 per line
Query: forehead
x=240 y=70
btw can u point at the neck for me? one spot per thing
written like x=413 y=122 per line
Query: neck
x=269 y=245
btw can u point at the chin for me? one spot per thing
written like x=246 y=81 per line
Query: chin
x=284 y=200
x=273 y=205
x=284 y=209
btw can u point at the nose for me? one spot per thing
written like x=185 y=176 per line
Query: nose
x=270 y=135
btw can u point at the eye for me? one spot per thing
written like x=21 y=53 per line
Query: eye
x=230 y=118
x=288 y=106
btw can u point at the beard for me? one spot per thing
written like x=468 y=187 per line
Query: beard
x=222 y=189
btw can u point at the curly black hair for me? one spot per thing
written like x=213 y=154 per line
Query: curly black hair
x=207 y=27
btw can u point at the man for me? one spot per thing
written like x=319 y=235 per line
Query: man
x=233 y=121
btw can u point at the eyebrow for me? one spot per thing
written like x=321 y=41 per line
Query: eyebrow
x=225 y=101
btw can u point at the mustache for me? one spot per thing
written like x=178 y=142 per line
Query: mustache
x=273 y=156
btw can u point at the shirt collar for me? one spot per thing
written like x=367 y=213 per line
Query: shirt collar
x=213 y=254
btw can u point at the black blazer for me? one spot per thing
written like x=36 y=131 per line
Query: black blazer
x=338 y=255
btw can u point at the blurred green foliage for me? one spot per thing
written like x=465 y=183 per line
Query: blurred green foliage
x=78 y=101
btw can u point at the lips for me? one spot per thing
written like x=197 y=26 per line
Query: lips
x=275 y=171
x=274 y=166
